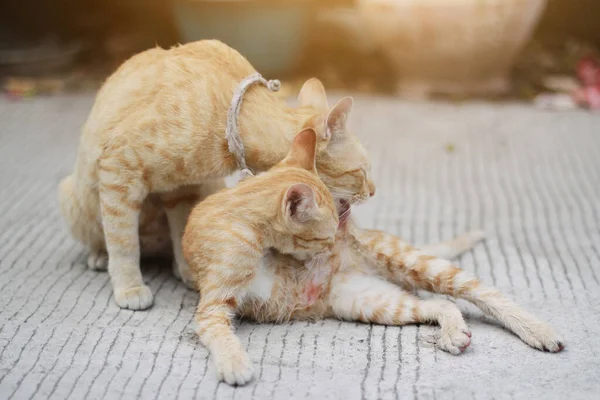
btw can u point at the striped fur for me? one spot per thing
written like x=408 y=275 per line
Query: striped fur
x=373 y=277
x=155 y=139
x=288 y=209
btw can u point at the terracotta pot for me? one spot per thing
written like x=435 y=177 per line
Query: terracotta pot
x=451 y=46
x=271 y=34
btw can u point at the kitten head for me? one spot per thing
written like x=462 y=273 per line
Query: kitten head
x=307 y=209
x=342 y=161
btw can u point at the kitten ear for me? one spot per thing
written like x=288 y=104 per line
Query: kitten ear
x=299 y=203
x=313 y=95
x=335 y=124
x=304 y=149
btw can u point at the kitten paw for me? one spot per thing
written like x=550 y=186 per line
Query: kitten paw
x=98 y=261
x=455 y=340
x=234 y=368
x=135 y=298
x=184 y=274
x=541 y=336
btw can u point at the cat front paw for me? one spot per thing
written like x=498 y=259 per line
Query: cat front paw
x=135 y=298
x=455 y=340
x=98 y=261
x=541 y=336
x=234 y=368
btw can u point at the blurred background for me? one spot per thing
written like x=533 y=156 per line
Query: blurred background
x=543 y=51
x=529 y=178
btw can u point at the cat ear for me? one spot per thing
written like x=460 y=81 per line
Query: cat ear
x=313 y=95
x=303 y=151
x=300 y=204
x=335 y=124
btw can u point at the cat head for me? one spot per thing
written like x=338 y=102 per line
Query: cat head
x=307 y=208
x=342 y=162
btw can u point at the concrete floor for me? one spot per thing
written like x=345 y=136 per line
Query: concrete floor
x=530 y=178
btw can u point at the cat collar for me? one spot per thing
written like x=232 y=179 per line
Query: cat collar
x=234 y=141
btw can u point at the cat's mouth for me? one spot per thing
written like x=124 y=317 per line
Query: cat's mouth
x=344 y=211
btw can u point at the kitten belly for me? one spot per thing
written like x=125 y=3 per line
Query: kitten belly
x=260 y=287
x=284 y=289
x=319 y=274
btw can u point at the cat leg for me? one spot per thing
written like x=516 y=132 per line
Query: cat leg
x=400 y=263
x=178 y=205
x=214 y=319
x=121 y=198
x=370 y=299
x=451 y=249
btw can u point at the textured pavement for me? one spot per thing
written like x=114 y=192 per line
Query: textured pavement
x=530 y=178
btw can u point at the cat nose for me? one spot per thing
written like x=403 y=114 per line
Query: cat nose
x=371 y=189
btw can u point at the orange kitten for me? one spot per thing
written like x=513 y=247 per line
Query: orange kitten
x=288 y=209
x=371 y=276
x=156 y=135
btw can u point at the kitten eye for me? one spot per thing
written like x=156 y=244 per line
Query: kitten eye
x=364 y=171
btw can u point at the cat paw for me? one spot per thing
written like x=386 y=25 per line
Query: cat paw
x=184 y=274
x=175 y=267
x=135 y=298
x=98 y=261
x=541 y=336
x=455 y=340
x=235 y=368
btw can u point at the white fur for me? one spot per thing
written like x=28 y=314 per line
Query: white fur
x=437 y=266
x=412 y=257
x=261 y=286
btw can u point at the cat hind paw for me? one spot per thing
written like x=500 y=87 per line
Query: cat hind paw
x=98 y=261
x=184 y=274
x=454 y=341
x=542 y=337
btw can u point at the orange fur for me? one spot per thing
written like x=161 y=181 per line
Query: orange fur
x=287 y=208
x=371 y=277
x=158 y=128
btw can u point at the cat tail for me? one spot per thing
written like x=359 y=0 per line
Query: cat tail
x=454 y=248
x=403 y=264
x=80 y=207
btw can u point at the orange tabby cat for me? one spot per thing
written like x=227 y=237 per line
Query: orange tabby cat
x=156 y=134
x=287 y=208
x=370 y=276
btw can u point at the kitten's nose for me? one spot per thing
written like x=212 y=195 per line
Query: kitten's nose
x=371 y=189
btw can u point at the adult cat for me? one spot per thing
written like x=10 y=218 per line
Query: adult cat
x=156 y=134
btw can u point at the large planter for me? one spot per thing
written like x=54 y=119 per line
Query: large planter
x=271 y=34
x=451 y=46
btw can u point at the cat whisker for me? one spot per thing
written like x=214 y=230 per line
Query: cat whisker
x=345 y=213
x=340 y=191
